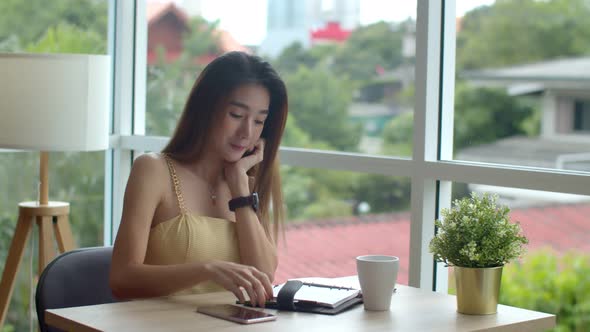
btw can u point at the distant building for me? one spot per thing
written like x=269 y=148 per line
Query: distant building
x=166 y=25
x=563 y=86
x=332 y=32
x=292 y=21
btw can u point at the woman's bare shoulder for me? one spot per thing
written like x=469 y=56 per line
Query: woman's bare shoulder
x=151 y=166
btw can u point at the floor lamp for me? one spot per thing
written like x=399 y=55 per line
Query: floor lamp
x=49 y=102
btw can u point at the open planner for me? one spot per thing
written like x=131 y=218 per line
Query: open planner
x=330 y=296
x=317 y=295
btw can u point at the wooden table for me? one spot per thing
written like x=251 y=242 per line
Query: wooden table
x=412 y=309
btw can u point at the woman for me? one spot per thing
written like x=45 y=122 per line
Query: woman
x=190 y=222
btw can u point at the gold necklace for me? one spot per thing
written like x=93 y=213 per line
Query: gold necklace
x=212 y=194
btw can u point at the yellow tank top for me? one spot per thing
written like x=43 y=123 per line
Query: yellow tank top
x=190 y=238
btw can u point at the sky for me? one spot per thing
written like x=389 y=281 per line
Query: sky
x=246 y=20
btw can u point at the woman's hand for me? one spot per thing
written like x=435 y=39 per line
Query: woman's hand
x=235 y=277
x=236 y=173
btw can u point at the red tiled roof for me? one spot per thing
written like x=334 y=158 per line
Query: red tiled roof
x=225 y=41
x=328 y=248
x=331 y=32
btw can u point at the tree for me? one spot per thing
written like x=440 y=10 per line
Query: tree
x=319 y=102
x=27 y=21
x=69 y=38
x=294 y=56
x=398 y=135
x=369 y=47
x=523 y=31
x=484 y=115
x=169 y=83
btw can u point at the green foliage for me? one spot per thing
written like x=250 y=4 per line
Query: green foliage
x=484 y=115
x=71 y=39
x=327 y=207
x=398 y=135
x=169 y=83
x=319 y=101
x=27 y=21
x=377 y=44
x=295 y=55
x=383 y=193
x=523 y=31
x=549 y=283
x=201 y=38
x=477 y=232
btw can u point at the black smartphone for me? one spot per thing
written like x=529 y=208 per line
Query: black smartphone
x=249 y=152
x=236 y=314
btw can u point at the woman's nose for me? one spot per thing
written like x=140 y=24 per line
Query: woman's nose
x=245 y=129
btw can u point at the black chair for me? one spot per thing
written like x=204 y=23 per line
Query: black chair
x=75 y=278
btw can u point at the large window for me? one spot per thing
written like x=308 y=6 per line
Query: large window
x=343 y=63
x=60 y=26
x=522 y=85
x=409 y=66
x=334 y=216
x=582 y=115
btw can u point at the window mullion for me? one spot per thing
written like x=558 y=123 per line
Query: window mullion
x=124 y=51
x=426 y=115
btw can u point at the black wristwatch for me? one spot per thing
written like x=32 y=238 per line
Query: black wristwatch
x=238 y=202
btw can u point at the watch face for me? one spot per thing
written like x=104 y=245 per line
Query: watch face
x=243 y=201
x=255 y=201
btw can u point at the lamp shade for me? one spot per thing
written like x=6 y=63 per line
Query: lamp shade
x=54 y=102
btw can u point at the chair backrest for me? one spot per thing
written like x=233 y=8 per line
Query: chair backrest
x=75 y=278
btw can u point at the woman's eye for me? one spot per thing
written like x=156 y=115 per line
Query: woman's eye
x=259 y=122
x=235 y=115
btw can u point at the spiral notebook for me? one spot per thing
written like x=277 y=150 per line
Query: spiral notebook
x=320 y=294
x=316 y=295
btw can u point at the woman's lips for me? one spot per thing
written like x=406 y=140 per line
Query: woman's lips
x=238 y=148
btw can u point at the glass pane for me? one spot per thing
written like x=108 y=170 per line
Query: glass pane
x=553 y=274
x=349 y=66
x=334 y=216
x=57 y=26
x=522 y=98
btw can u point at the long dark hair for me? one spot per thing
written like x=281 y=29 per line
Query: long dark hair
x=204 y=105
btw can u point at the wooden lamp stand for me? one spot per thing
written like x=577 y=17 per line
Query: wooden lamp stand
x=49 y=216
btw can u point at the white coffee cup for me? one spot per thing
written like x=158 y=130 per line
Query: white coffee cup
x=377 y=277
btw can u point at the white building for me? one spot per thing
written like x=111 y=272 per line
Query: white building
x=291 y=21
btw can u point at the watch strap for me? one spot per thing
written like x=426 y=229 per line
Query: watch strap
x=238 y=202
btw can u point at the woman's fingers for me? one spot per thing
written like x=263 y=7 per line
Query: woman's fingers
x=258 y=288
x=266 y=284
x=231 y=285
x=237 y=278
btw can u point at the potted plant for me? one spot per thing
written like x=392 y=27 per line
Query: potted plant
x=477 y=238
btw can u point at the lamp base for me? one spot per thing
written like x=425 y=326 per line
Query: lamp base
x=45 y=215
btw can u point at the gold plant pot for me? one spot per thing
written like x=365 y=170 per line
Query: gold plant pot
x=478 y=289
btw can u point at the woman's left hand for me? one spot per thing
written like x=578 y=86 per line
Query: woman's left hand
x=236 y=173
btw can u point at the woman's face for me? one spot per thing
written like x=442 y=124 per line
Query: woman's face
x=242 y=121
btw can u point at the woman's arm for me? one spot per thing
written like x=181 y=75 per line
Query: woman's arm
x=256 y=248
x=131 y=278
